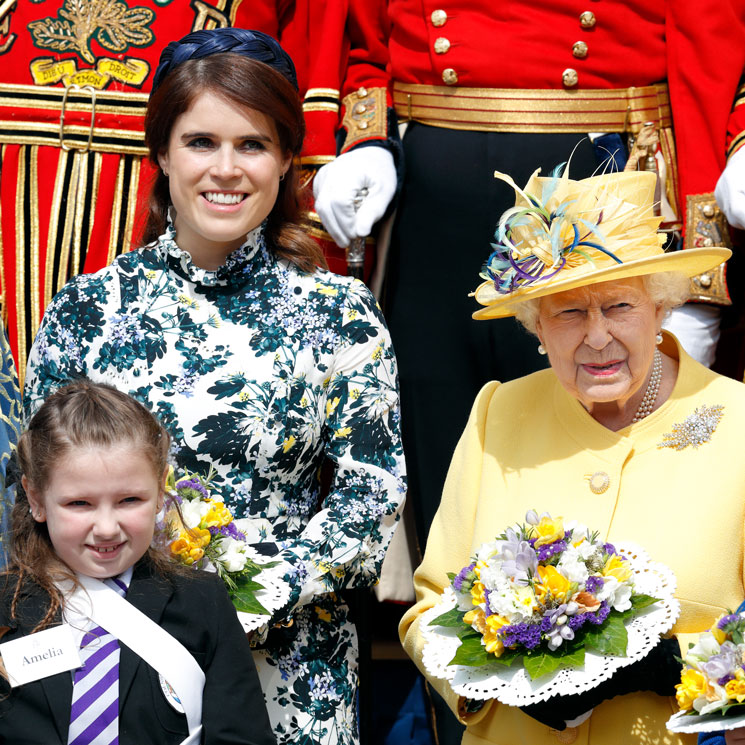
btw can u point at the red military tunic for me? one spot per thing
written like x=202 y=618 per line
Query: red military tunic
x=570 y=46
x=75 y=84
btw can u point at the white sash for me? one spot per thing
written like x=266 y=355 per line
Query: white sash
x=144 y=637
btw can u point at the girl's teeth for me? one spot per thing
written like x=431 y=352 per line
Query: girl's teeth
x=221 y=198
x=106 y=550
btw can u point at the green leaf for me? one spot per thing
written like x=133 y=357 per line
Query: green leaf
x=609 y=638
x=244 y=598
x=642 y=601
x=452 y=619
x=539 y=664
x=471 y=652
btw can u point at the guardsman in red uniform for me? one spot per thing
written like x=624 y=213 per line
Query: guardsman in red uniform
x=75 y=82
x=510 y=86
x=483 y=91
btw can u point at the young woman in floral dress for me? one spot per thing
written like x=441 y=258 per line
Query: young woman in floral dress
x=256 y=360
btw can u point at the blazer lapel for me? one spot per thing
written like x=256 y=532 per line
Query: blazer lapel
x=150 y=594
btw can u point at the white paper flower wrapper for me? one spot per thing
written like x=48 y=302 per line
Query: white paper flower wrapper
x=690 y=724
x=513 y=686
x=275 y=594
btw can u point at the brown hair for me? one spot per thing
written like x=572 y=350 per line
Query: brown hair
x=249 y=84
x=82 y=414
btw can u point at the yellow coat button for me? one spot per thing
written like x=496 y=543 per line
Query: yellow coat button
x=587 y=19
x=599 y=482
x=438 y=18
x=442 y=45
x=449 y=76
x=361 y=92
x=569 y=77
x=579 y=49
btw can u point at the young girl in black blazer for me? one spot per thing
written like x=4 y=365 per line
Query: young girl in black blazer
x=94 y=462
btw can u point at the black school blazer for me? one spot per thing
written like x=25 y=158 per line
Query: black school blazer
x=197 y=611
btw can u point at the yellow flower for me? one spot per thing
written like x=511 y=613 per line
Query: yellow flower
x=551 y=582
x=548 y=530
x=217 y=515
x=150 y=274
x=692 y=685
x=735 y=689
x=354 y=394
x=378 y=351
x=189 y=548
x=342 y=431
x=332 y=291
x=525 y=598
x=303 y=401
x=244 y=396
x=288 y=443
x=717 y=633
x=476 y=619
x=331 y=406
x=617 y=567
x=491 y=639
x=352 y=314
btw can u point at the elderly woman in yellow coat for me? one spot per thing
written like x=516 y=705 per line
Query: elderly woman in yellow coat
x=624 y=432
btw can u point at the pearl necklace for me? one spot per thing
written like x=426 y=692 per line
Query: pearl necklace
x=653 y=388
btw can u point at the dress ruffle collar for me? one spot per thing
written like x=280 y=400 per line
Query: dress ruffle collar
x=236 y=266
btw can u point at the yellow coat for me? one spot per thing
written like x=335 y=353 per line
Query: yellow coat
x=529 y=444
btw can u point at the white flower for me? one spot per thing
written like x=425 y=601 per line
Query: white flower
x=487 y=551
x=706 y=646
x=193 y=512
x=572 y=566
x=616 y=593
x=233 y=555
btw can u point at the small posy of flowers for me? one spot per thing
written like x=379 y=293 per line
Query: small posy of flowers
x=198 y=530
x=543 y=593
x=713 y=675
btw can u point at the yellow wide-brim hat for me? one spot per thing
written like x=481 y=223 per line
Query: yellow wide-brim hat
x=563 y=234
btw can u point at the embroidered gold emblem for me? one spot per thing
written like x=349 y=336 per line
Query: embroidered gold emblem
x=112 y=23
x=47 y=71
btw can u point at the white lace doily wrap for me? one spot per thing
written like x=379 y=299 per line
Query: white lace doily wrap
x=513 y=686
x=689 y=724
x=275 y=594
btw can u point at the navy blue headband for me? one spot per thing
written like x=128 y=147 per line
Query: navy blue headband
x=254 y=44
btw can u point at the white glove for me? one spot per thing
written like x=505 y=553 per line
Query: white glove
x=730 y=190
x=697 y=327
x=338 y=183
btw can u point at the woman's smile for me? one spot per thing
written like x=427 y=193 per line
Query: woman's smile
x=603 y=369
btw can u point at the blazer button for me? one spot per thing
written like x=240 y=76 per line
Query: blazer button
x=579 y=49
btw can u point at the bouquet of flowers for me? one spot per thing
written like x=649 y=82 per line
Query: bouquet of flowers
x=711 y=692
x=545 y=595
x=199 y=530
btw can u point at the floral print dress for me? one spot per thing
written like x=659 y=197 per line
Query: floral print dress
x=263 y=372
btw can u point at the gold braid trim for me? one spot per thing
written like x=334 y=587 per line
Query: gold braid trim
x=365 y=116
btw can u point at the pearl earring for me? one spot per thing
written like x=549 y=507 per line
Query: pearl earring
x=541 y=349
x=658 y=339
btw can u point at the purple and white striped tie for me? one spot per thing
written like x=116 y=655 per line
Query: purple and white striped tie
x=94 y=715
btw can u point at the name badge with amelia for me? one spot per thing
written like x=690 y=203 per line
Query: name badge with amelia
x=40 y=655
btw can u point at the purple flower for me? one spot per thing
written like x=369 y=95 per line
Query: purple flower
x=462 y=576
x=609 y=548
x=548 y=550
x=724 y=620
x=722 y=664
x=192 y=485
x=528 y=635
x=594 y=584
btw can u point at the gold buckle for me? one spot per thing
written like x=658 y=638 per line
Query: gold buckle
x=77 y=88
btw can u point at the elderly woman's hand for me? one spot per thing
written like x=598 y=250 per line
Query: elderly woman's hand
x=658 y=672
